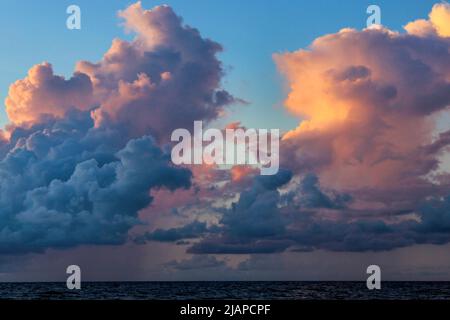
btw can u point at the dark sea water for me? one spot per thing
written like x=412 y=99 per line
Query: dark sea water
x=226 y=290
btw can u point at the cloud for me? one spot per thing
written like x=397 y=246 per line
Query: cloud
x=256 y=214
x=374 y=234
x=165 y=79
x=309 y=195
x=242 y=174
x=43 y=93
x=264 y=221
x=84 y=156
x=368 y=102
x=80 y=156
x=251 y=222
x=435 y=217
x=361 y=169
x=189 y=231
x=247 y=227
x=306 y=218
x=59 y=188
x=231 y=246
x=437 y=25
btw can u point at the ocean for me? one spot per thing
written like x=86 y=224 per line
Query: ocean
x=226 y=290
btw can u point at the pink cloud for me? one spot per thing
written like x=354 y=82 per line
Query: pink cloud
x=166 y=78
x=438 y=23
x=367 y=103
x=42 y=93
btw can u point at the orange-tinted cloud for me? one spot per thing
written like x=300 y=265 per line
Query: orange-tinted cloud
x=437 y=24
x=41 y=93
x=367 y=100
x=239 y=173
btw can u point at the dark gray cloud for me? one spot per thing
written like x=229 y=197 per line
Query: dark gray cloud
x=222 y=245
x=251 y=223
x=261 y=220
x=61 y=185
x=435 y=217
x=432 y=226
x=308 y=218
x=189 y=231
x=309 y=195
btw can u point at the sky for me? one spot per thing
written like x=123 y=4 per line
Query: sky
x=87 y=114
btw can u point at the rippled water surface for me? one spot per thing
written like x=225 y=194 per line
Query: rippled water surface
x=226 y=290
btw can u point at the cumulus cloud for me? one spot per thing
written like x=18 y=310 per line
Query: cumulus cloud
x=368 y=103
x=42 y=93
x=189 y=231
x=248 y=226
x=268 y=220
x=437 y=24
x=308 y=194
x=251 y=223
x=374 y=234
x=58 y=188
x=80 y=156
x=165 y=79
x=317 y=219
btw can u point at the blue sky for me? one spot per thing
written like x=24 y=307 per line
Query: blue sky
x=250 y=32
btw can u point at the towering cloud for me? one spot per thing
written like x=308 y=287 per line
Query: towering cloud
x=42 y=94
x=369 y=101
x=60 y=187
x=166 y=78
x=81 y=155
x=438 y=23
